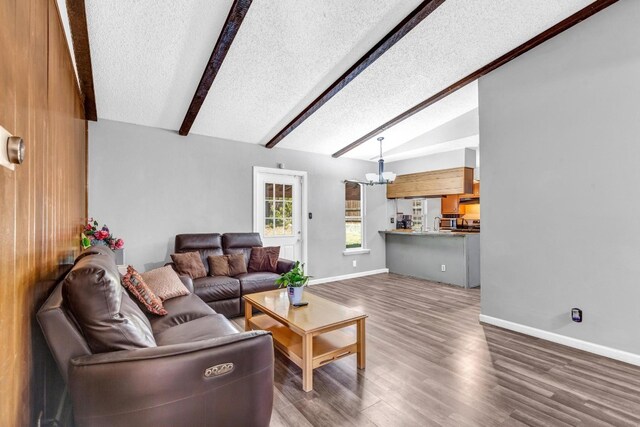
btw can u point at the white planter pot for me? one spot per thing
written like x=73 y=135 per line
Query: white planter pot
x=295 y=294
x=119 y=256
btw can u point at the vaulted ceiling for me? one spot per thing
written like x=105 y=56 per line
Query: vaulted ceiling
x=148 y=57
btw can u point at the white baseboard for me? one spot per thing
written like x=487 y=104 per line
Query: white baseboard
x=612 y=353
x=347 y=276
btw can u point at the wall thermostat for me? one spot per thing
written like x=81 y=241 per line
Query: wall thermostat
x=11 y=149
x=15 y=150
x=576 y=315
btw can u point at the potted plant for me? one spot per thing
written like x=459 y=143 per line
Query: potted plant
x=92 y=235
x=294 y=280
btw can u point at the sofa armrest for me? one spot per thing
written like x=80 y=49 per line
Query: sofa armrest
x=186 y=280
x=284 y=265
x=169 y=385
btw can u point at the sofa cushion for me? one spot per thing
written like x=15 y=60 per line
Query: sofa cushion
x=218 y=265
x=189 y=264
x=165 y=283
x=141 y=292
x=237 y=264
x=105 y=313
x=216 y=288
x=180 y=310
x=206 y=244
x=240 y=243
x=257 y=282
x=264 y=259
x=228 y=307
x=211 y=326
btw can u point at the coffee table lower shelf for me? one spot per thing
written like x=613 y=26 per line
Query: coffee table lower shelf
x=327 y=347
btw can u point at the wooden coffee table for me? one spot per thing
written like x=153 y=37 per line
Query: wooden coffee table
x=309 y=336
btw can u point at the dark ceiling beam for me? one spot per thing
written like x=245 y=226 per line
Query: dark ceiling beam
x=80 y=37
x=400 y=30
x=238 y=11
x=563 y=25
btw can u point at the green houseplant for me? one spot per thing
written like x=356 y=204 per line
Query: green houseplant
x=294 y=280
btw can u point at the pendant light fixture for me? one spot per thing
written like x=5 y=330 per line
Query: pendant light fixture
x=381 y=177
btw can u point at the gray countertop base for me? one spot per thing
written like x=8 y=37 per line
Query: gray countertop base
x=414 y=255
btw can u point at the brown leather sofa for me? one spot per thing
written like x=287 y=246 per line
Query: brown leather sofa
x=225 y=294
x=125 y=368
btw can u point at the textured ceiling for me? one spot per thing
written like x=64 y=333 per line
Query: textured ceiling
x=286 y=53
x=455 y=40
x=148 y=57
x=418 y=128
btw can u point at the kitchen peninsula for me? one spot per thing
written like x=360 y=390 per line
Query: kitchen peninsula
x=422 y=254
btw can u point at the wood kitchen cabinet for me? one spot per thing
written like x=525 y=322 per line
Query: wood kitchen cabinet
x=432 y=183
x=475 y=193
x=451 y=205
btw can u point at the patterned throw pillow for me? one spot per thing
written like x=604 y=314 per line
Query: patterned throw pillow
x=218 y=265
x=134 y=283
x=237 y=264
x=165 y=283
x=189 y=264
x=264 y=259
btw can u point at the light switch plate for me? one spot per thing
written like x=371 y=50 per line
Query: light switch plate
x=4 y=160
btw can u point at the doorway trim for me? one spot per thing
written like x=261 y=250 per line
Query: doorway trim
x=257 y=170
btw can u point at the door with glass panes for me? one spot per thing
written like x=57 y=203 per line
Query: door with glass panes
x=278 y=207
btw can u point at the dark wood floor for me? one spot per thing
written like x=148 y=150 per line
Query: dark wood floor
x=429 y=362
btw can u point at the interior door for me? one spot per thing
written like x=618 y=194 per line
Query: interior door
x=278 y=213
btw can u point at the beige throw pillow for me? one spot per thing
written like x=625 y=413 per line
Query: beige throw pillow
x=165 y=283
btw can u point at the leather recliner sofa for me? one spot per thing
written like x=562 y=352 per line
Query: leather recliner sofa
x=225 y=294
x=123 y=367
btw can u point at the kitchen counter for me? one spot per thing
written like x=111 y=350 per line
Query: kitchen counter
x=422 y=254
x=431 y=233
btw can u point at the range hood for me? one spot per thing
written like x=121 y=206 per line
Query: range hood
x=469 y=200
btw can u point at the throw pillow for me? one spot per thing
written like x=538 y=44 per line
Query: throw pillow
x=165 y=283
x=264 y=259
x=189 y=264
x=237 y=264
x=134 y=283
x=218 y=265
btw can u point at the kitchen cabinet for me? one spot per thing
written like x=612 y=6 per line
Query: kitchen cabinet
x=475 y=193
x=451 y=205
x=433 y=183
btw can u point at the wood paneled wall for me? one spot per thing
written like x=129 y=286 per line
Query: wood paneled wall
x=42 y=202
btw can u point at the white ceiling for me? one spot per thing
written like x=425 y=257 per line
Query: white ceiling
x=148 y=57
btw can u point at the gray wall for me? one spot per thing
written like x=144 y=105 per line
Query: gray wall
x=150 y=184
x=559 y=131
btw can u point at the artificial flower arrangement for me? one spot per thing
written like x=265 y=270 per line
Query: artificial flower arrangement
x=92 y=236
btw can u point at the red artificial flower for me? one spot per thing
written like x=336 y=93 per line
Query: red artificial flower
x=101 y=235
x=119 y=244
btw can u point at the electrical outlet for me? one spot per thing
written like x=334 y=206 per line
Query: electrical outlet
x=576 y=315
x=443 y=267
x=392 y=220
x=355 y=263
